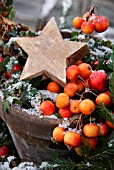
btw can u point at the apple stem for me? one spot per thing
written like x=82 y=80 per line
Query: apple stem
x=97 y=10
x=86 y=9
x=79 y=123
x=92 y=93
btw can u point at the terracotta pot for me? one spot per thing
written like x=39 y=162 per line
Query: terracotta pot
x=32 y=135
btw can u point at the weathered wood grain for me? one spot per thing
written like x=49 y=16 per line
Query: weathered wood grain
x=49 y=54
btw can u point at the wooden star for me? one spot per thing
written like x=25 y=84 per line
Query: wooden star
x=49 y=54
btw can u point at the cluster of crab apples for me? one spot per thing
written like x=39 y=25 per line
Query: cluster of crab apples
x=90 y=22
x=74 y=100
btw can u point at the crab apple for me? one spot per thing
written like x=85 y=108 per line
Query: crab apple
x=101 y=23
x=95 y=64
x=17 y=67
x=72 y=139
x=1 y=59
x=91 y=141
x=4 y=150
x=62 y=100
x=85 y=15
x=91 y=130
x=58 y=134
x=80 y=85
x=111 y=101
x=53 y=87
x=110 y=124
x=85 y=70
x=98 y=80
x=103 y=98
x=87 y=27
x=71 y=88
x=90 y=17
x=78 y=62
x=87 y=106
x=103 y=129
x=72 y=72
x=77 y=22
x=74 y=106
x=65 y=112
x=47 y=108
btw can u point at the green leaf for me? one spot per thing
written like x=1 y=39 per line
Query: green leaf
x=6 y=60
x=6 y=105
x=10 y=68
x=58 y=115
x=8 y=2
x=11 y=12
x=31 y=33
x=13 y=33
x=1 y=67
x=36 y=81
x=104 y=112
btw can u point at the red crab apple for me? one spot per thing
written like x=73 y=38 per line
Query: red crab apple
x=92 y=141
x=47 y=108
x=98 y=80
x=65 y=112
x=17 y=67
x=72 y=139
x=103 y=129
x=91 y=130
x=1 y=59
x=4 y=150
x=101 y=23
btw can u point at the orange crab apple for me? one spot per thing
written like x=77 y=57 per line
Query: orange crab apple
x=58 y=134
x=111 y=101
x=91 y=130
x=84 y=70
x=72 y=139
x=74 y=106
x=77 y=22
x=62 y=100
x=110 y=124
x=71 y=88
x=47 y=108
x=65 y=112
x=87 y=27
x=103 y=129
x=103 y=97
x=87 y=106
x=78 y=62
x=72 y=72
x=53 y=87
